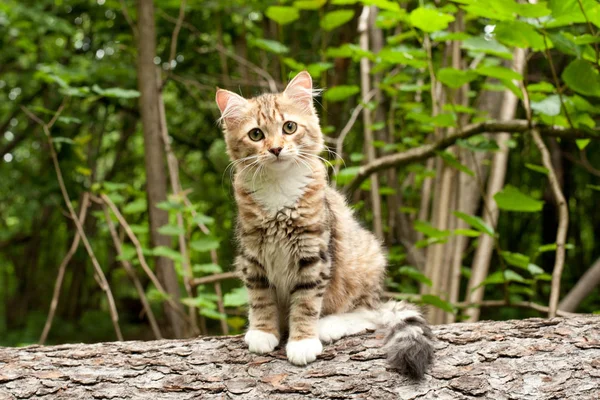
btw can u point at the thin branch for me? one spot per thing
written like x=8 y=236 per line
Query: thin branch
x=485 y=303
x=140 y=255
x=428 y=150
x=175 y=34
x=214 y=278
x=252 y=66
x=563 y=223
x=62 y=268
x=130 y=22
x=339 y=141
x=132 y=275
x=99 y=273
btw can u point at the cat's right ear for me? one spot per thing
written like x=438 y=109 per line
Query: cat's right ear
x=232 y=106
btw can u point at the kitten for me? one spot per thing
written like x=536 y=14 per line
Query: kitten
x=310 y=268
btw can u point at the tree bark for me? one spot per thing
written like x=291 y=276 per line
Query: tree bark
x=156 y=179
x=528 y=359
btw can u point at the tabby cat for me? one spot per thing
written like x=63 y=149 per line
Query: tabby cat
x=311 y=270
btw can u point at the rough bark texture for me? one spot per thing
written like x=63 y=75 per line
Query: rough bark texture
x=156 y=178
x=528 y=359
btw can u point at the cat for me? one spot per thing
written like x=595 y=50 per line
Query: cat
x=309 y=267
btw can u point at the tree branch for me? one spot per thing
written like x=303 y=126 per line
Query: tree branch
x=428 y=150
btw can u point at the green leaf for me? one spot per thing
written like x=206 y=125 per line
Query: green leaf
x=581 y=77
x=475 y=222
x=128 y=253
x=170 y=205
x=467 y=232
x=341 y=92
x=204 y=244
x=116 y=92
x=511 y=199
x=384 y=5
x=593 y=187
x=452 y=161
x=455 y=78
x=309 y=4
x=549 y=106
x=236 y=298
x=534 y=269
x=499 y=72
x=512 y=276
x=346 y=175
x=543 y=87
x=212 y=314
x=163 y=251
x=426 y=229
x=282 y=15
x=482 y=45
x=582 y=143
x=552 y=247
x=333 y=19
x=206 y=269
x=429 y=20
x=537 y=168
x=437 y=302
x=415 y=274
x=137 y=206
x=271 y=46
x=519 y=34
x=203 y=219
x=515 y=259
x=171 y=230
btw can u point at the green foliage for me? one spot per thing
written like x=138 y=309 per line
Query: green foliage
x=512 y=199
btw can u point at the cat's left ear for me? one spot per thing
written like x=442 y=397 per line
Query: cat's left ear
x=300 y=91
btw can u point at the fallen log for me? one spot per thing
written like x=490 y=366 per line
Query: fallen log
x=527 y=359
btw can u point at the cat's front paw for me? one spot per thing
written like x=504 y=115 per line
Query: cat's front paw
x=260 y=342
x=302 y=352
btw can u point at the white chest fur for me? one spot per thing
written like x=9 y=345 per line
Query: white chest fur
x=276 y=189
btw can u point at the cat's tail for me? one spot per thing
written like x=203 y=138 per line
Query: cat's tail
x=408 y=343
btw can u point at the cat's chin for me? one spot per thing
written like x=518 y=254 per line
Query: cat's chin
x=280 y=164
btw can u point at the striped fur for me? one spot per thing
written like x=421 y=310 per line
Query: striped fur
x=311 y=270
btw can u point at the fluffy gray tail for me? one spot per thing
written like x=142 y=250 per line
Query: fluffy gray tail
x=409 y=342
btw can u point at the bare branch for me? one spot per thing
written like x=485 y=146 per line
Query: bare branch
x=214 y=278
x=99 y=273
x=132 y=275
x=62 y=268
x=130 y=22
x=493 y=127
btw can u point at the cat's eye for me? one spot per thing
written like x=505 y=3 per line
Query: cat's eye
x=289 y=127
x=256 y=134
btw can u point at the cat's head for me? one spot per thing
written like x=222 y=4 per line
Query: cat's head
x=275 y=130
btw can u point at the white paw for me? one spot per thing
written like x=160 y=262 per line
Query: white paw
x=260 y=342
x=302 y=352
x=331 y=329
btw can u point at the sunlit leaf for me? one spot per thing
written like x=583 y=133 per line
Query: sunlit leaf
x=333 y=19
x=511 y=199
x=429 y=20
x=283 y=15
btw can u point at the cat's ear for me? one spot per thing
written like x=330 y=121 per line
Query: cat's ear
x=232 y=106
x=300 y=91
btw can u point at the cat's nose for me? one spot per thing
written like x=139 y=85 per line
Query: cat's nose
x=276 y=150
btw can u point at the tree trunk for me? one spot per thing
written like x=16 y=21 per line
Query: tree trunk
x=156 y=179
x=528 y=359
x=483 y=255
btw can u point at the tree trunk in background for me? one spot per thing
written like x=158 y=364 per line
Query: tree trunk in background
x=529 y=359
x=156 y=179
x=365 y=85
x=586 y=284
x=483 y=255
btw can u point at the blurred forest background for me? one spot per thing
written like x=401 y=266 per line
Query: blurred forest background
x=462 y=131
